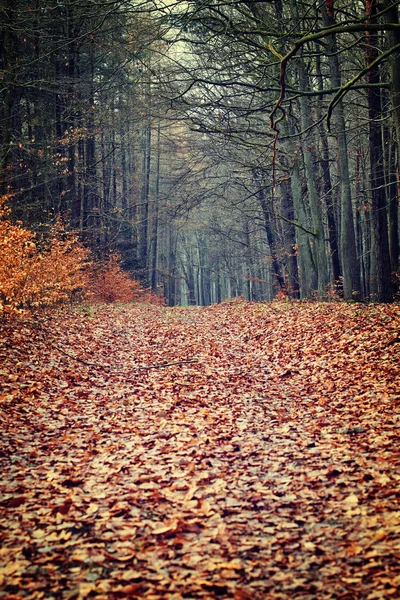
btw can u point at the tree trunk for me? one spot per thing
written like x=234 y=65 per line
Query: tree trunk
x=145 y=198
x=154 y=245
x=71 y=191
x=315 y=203
x=91 y=210
x=392 y=16
x=328 y=191
x=348 y=246
x=271 y=236
x=289 y=235
x=7 y=54
x=308 y=152
x=307 y=270
x=171 y=262
x=381 y=286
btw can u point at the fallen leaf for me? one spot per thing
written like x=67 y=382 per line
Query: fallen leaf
x=11 y=568
x=121 y=557
x=170 y=525
x=92 y=508
x=205 y=508
x=131 y=574
x=241 y=594
x=309 y=546
x=190 y=493
x=85 y=588
x=351 y=501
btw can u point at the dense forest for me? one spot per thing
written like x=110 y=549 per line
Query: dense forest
x=236 y=148
x=199 y=299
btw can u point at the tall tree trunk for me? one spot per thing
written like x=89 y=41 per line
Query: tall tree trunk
x=123 y=131
x=381 y=286
x=248 y=263
x=289 y=235
x=71 y=192
x=328 y=191
x=307 y=269
x=90 y=185
x=188 y=271
x=218 y=283
x=360 y=219
x=393 y=198
x=308 y=157
x=171 y=266
x=145 y=198
x=315 y=203
x=7 y=56
x=392 y=16
x=348 y=246
x=154 y=245
x=271 y=236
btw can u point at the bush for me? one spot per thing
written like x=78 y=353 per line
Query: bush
x=59 y=272
x=30 y=278
x=17 y=252
x=107 y=282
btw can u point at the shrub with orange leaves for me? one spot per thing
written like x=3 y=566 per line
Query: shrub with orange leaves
x=60 y=272
x=17 y=251
x=30 y=278
x=107 y=282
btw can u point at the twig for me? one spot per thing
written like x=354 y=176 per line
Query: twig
x=84 y=362
x=182 y=362
x=97 y=366
x=315 y=234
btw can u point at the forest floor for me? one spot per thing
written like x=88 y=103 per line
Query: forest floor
x=267 y=468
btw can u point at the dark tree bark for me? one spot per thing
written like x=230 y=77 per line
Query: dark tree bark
x=154 y=241
x=271 y=237
x=381 y=285
x=7 y=56
x=289 y=234
x=348 y=248
x=392 y=16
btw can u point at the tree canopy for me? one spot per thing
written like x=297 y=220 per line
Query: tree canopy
x=222 y=148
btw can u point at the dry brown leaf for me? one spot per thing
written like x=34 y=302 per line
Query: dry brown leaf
x=241 y=594
x=351 y=501
x=169 y=525
x=236 y=467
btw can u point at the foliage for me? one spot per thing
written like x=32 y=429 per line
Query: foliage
x=266 y=469
x=173 y=156
x=31 y=276
x=107 y=282
x=60 y=270
x=17 y=251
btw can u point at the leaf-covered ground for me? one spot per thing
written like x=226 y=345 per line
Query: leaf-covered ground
x=269 y=468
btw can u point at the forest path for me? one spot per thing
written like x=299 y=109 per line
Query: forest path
x=269 y=468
